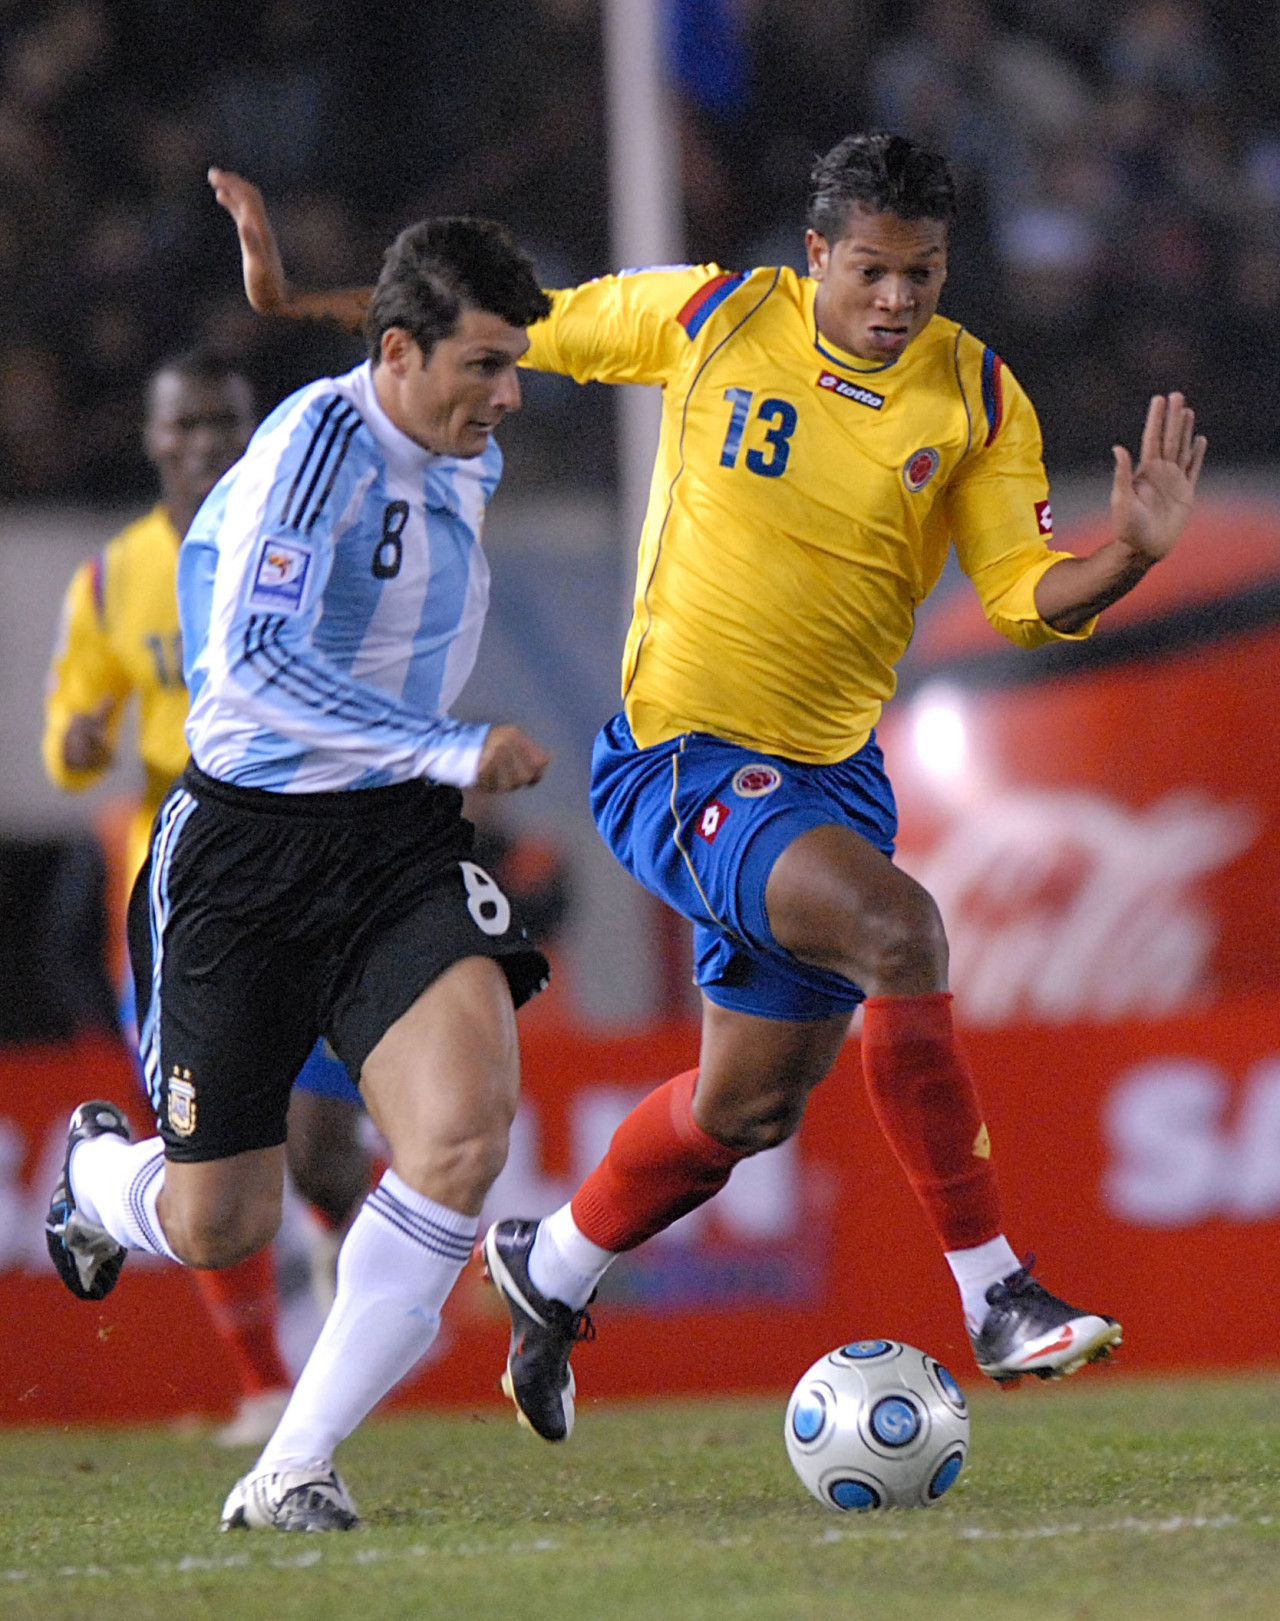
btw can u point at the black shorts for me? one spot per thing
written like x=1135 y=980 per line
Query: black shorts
x=264 y=920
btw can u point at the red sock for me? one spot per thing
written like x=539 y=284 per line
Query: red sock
x=924 y=1099
x=660 y=1165
x=241 y=1302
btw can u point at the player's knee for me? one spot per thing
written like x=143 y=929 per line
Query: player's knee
x=211 y=1240
x=755 y=1125
x=460 y=1170
x=333 y=1182
x=904 y=944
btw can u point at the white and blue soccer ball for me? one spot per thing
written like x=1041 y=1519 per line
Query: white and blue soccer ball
x=877 y=1424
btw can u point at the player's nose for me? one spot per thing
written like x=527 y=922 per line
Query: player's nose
x=896 y=293
x=506 y=390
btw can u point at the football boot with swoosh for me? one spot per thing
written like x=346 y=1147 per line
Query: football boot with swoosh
x=1029 y=1331
x=538 y=1378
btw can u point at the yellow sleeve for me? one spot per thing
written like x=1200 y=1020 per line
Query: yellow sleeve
x=998 y=512
x=619 y=329
x=83 y=672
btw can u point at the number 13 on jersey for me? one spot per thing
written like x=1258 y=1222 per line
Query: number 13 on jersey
x=781 y=417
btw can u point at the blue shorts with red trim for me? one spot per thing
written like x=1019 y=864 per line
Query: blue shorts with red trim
x=700 y=822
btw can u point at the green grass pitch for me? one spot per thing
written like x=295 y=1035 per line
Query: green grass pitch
x=1111 y=1497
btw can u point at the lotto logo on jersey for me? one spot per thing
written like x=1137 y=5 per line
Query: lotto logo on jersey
x=1044 y=518
x=850 y=391
x=920 y=468
x=711 y=820
x=280 y=577
x=755 y=781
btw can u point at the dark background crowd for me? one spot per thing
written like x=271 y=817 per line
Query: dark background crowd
x=1119 y=168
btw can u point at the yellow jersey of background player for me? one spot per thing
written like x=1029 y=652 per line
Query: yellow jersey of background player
x=119 y=630
x=802 y=501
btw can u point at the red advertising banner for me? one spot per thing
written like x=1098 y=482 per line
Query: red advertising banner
x=1101 y=826
x=1141 y=1160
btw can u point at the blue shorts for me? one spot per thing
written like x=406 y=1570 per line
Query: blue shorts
x=326 y=1076
x=700 y=822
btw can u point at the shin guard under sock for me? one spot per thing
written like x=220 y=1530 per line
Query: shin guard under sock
x=660 y=1165
x=924 y=1100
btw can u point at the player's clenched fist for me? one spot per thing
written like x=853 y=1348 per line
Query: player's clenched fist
x=509 y=759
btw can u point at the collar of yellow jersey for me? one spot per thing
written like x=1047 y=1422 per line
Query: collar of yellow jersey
x=832 y=351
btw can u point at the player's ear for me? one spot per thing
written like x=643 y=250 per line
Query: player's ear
x=397 y=350
x=817 y=252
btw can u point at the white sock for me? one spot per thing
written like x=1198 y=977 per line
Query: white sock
x=975 y=1270
x=563 y=1264
x=396 y=1267
x=116 y=1184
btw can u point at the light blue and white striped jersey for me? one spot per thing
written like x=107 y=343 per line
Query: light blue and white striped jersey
x=332 y=590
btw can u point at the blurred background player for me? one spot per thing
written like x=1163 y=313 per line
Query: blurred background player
x=809 y=487
x=119 y=638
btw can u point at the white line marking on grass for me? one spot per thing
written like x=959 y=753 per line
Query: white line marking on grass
x=864 y=1531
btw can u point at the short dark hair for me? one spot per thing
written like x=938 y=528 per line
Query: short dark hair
x=200 y=364
x=887 y=174
x=438 y=267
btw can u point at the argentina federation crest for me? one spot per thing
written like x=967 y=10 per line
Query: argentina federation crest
x=181 y=1102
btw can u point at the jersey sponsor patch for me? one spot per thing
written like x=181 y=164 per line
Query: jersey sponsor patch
x=850 y=391
x=1044 y=518
x=920 y=467
x=280 y=577
x=711 y=819
x=755 y=781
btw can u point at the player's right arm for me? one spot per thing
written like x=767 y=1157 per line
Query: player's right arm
x=85 y=689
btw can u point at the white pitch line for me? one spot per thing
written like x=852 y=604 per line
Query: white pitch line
x=861 y=1531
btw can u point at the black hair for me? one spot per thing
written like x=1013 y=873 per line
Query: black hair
x=200 y=365
x=887 y=174
x=435 y=269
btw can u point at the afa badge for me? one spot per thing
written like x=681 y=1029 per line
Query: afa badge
x=755 y=781
x=280 y=577
x=920 y=468
x=182 y=1103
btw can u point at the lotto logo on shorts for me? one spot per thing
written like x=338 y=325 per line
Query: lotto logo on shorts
x=920 y=468
x=1044 y=518
x=755 y=781
x=712 y=820
x=280 y=577
x=182 y=1102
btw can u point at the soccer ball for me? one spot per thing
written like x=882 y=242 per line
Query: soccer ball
x=877 y=1424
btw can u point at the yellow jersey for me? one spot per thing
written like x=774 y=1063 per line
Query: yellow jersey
x=118 y=636
x=803 y=501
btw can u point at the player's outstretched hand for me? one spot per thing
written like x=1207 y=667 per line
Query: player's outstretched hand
x=86 y=744
x=264 y=278
x=509 y=760
x=268 y=288
x=1150 y=505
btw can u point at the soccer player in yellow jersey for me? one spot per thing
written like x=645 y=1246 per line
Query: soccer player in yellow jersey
x=824 y=440
x=119 y=640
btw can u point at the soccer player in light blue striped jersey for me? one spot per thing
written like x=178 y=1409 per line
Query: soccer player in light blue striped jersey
x=310 y=872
